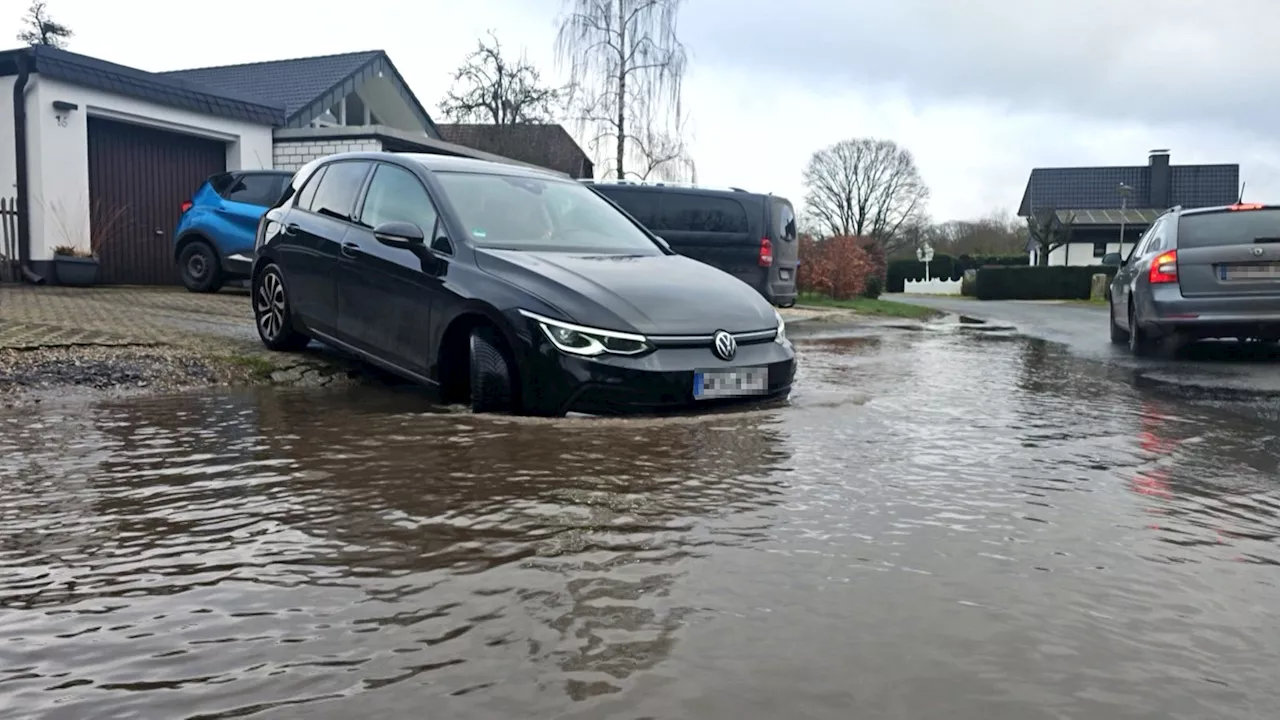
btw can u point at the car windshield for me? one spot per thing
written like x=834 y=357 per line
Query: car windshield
x=523 y=213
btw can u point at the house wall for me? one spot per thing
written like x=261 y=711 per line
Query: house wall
x=58 y=152
x=1082 y=252
x=293 y=154
x=8 y=159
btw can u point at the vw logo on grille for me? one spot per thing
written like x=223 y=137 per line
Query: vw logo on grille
x=724 y=346
x=1257 y=252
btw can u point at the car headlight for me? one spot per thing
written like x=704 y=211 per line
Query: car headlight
x=586 y=341
x=781 y=337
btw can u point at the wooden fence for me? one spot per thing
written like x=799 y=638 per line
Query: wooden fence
x=9 y=240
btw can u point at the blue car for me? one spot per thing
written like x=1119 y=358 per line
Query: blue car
x=214 y=239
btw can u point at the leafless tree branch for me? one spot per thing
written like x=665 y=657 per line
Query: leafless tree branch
x=625 y=63
x=866 y=187
x=490 y=88
x=41 y=29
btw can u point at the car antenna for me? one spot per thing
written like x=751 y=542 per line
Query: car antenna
x=1240 y=200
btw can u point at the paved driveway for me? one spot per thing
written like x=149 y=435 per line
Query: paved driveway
x=33 y=317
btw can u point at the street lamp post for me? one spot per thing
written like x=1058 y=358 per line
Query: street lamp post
x=1124 y=191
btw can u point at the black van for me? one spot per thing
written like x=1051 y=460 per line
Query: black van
x=748 y=235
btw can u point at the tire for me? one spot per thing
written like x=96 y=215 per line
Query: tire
x=273 y=313
x=492 y=386
x=1139 y=344
x=200 y=267
x=1118 y=334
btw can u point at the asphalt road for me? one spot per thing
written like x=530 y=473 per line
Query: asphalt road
x=1214 y=370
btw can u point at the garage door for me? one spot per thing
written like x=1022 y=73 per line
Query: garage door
x=138 y=179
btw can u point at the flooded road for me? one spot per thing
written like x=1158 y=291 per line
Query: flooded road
x=941 y=524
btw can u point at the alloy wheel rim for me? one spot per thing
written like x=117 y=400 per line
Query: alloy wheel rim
x=269 y=303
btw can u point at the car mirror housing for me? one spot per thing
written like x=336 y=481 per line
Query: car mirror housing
x=1112 y=259
x=399 y=234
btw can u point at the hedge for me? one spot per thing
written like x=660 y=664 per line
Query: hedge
x=944 y=266
x=1038 y=283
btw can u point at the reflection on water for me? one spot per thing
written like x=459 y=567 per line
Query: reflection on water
x=938 y=525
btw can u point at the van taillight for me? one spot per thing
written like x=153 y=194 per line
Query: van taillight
x=766 y=252
x=1164 y=269
x=186 y=206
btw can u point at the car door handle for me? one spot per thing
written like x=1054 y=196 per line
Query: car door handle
x=350 y=249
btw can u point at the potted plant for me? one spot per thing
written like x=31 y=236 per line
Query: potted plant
x=75 y=266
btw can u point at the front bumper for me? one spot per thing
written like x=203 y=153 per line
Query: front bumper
x=657 y=382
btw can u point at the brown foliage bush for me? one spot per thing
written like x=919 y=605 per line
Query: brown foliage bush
x=838 y=267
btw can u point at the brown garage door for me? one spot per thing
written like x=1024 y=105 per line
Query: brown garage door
x=138 y=179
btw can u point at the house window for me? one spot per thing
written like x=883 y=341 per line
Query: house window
x=1099 y=249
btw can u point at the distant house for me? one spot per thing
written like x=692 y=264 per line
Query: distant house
x=545 y=145
x=106 y=139
x=1092 y=196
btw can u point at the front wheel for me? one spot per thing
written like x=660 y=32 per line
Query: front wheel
x=492 y=374
x=273 y=314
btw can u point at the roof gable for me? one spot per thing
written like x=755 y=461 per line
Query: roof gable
x=1094 y=188
x=546 y=145
x=90 y=72
x=291 y=84
x=306 y=87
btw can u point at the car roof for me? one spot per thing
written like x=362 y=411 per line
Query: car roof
x=451 y=163
x=1227 y=208
x=731 y=192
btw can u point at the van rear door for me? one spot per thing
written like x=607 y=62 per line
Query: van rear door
x=1229 y=253
x=786 y=249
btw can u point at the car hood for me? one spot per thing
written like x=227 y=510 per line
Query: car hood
x=648 y=294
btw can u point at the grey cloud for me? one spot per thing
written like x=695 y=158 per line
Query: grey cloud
x=1158 y=62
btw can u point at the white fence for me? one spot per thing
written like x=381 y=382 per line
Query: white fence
x=932 y=286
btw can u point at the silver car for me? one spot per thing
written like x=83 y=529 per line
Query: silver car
x=1198 y=274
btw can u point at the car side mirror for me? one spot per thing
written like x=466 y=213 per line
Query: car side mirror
x=403 y=235
x=1112 y=259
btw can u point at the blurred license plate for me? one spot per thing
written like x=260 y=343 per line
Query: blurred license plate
x=728 y=383
x=1249 y=271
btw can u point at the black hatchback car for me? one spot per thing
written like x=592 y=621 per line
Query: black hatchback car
x=507 y=287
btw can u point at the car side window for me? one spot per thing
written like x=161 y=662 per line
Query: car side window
x=255 y=189
x=684 y=212
x=1140 y=248
x=308 y=195
x=336 y=194
x=641 y=205
x=396 y=195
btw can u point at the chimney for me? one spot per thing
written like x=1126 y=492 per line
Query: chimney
x=1161 y=185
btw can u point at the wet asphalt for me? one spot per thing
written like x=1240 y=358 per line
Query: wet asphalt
x=1214 y=370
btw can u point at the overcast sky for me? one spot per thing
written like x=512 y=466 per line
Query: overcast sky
x=980 y=91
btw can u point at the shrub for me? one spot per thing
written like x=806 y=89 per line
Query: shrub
x=837 y=267
x=1038 y=283
x=874 y=288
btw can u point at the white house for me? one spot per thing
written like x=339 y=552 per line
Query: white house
x=115 y=151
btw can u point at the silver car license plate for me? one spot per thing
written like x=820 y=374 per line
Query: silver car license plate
x=730 y=383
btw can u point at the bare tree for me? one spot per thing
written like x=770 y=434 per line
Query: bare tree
x=661 y=154
x=490 y=88
x=996 y=234
x=866 y=187
x=42 y=29
x=1050 y=231
x=626 y=63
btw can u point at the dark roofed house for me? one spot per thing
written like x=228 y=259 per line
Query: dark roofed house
x=136 y=144
x=1101 y=212
x=546 y=145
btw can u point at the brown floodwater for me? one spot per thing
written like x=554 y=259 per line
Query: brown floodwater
x=939 y=524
